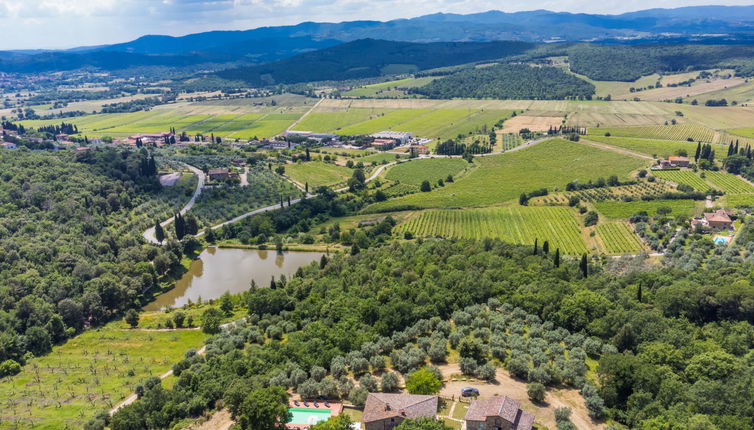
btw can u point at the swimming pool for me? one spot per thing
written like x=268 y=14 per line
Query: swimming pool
x=308 y=415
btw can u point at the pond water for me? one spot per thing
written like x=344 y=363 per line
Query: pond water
x=218 y=270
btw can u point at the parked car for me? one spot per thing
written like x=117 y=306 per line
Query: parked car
x=469 y=392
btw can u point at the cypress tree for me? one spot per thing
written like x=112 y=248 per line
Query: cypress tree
x=556 y=260
x=546 y=248
x=638 y=294
x=584 y=266
x=159 y=233
x=536 y=250
x=698 y=151
x=272 y=283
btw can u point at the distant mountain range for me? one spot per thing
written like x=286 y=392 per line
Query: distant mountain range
x=701 y=24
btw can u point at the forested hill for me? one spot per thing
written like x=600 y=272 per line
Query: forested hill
x=509 y=82
x=628 y=63
x=71 y=254
x=370 y=57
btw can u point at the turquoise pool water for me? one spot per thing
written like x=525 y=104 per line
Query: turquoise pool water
x=308 y=416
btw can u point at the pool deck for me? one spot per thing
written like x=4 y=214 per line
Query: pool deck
x=335 y=410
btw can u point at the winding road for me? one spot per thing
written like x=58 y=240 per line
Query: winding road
x=149 y=233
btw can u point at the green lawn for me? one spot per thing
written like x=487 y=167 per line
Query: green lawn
x=514 y=224
x=317 y=173
x=91 y=372
x=623 y=210
x=414 y=172
x=501 y=178
x=655 y=148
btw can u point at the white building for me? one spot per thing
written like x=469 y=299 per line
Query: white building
x=403 y=137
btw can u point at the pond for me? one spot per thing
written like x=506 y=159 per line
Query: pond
x=218 y=270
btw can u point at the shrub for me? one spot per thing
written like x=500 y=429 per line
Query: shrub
x=358 y=396
x=486 y=371
x=369 y=382
x=536 y=392
x=9 y=368
x=423 y=381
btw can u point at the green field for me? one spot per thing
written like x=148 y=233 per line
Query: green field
x=730 y=184
x=317 y=173
x=415 y=171
x=623 y=210
x=655 y=148
x=501 y=178
x=91 y=372
x=183 y=119
x=678 y=132
x=618 y=238
x=744 y=132
x=517 y=224
x=430 y=123
x=380 y=157
x=736 y=200
x=686 y=177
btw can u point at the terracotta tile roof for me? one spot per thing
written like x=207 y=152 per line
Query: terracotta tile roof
x=503 y=407
x=719 y=216
x=381 y=405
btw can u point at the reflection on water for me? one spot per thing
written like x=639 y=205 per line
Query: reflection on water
x=218 y=270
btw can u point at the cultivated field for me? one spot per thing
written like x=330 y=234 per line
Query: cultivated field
x=730 y=184
x=388 y=89
x=619 y=193
x=317 y=173
x=654 y=148
x=224 y=120
x=677 y=132
x=618 y=238
x=414 y=172
x=671 y=93
x=623 y=210
x=515 y=224
x=501 y=178
x=533 y=123
x=91 y=372
x=686 y=177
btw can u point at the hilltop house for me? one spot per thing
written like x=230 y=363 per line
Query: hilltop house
x=678 y=161
x=498 y=413
x=8 y=145
x=384 y=144
x=718 y=220
x=384 y=411
x=402 y=137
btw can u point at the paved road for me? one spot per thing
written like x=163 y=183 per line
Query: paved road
x=149 y=234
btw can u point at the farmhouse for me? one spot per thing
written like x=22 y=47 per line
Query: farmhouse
x=402 y=137
x=678 y=161
x=384 y=143
x=718 y=220
x=384 y=411
x=8 y=145
x=218 y=174
x=498 y=413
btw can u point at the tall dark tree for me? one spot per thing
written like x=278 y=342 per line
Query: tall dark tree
x=556 y=260
x=584 y=266
x=159 y=232
x=546 y=248
x=536 y=247
x=180 y=226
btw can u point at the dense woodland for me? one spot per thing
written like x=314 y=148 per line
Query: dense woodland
x=629 y=63
x=68 y=257
x=509 y=82
x=674 y=347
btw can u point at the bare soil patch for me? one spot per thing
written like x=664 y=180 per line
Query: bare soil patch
x=533 y=123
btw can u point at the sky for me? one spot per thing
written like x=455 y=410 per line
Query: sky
x=48 y=24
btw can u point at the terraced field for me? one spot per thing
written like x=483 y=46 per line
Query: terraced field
x=515 y=224
x=678 y=132
x=730 y=184
x=618 y=238
x=686 y=177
